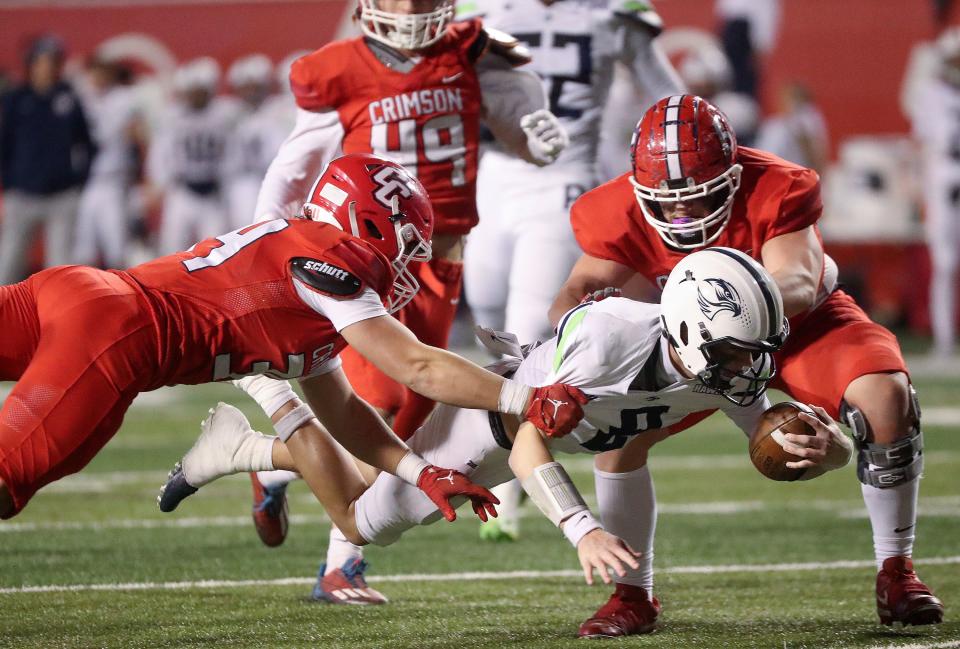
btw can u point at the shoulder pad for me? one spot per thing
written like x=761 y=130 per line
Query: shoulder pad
x=325 y=277
x=366 y=262
x=315 y=78
x=638 y=11
x=505 y=46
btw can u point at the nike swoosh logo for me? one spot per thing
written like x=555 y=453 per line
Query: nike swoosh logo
x=902 y=529
x=451 y=78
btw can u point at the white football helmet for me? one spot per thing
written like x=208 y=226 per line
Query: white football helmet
x=717 y=304
x=405 y=31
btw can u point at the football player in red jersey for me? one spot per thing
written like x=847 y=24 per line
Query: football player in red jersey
x=691 y=186
x=282 y=297
x=414 y=89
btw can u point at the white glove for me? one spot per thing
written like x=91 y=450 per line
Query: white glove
x=546 y=138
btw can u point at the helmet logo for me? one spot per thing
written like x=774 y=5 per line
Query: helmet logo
x=391 y=184
x=717 y=295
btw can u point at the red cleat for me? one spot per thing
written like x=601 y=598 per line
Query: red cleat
x=271 y=515
x=346 y=585
x=902 y=598
x=629 y=611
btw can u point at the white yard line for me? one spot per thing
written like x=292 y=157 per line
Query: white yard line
x=456 y=576
x=919 y=645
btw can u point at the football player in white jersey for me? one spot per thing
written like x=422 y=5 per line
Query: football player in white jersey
x=643 y=367
x=257 y=137
x=523 y=249
x=936 y=126
x=186 y=160
x=103 y=215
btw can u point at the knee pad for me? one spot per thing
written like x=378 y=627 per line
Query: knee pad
x=886 y=465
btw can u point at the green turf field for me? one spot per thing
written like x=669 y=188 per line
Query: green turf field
x=118 y=573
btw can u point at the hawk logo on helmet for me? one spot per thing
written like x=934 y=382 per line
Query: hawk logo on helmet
x=717 y=295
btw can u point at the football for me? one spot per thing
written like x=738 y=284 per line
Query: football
x=766 y=443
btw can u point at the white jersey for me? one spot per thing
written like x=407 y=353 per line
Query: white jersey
x=936 y=125
x=111 y=117
x=255 y=142
x=575 y=44
x=613 y=350
x=190 y=146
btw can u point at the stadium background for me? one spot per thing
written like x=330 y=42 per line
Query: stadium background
x=743 y=562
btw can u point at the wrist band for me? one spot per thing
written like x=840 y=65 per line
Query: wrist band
x=292 y=421
x=579 y=525
x=410 y=467
x=513 y=397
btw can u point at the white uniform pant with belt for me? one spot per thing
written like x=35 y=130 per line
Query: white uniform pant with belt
x=453 y=438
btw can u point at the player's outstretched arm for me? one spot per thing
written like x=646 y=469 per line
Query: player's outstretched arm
x=589 y=274
x=550 y=488
x=445 y=377
x=795 y=260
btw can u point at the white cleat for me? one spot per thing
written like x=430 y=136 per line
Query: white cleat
x=225 y=447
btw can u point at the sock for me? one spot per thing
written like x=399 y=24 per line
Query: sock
x=256 y=452
x=508 y=511
x=628 y=508
x=893 y=516
x=276 y=478
x=341 y=550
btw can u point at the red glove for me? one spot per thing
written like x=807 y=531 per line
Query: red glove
x=602 y=294
x=441 y=485
x=556 y=409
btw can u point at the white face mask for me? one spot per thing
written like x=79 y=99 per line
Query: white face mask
x=405 y=31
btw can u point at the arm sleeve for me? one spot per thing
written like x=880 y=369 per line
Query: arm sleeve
x=315 y=140
x=801 y=205
x=508 y=95
x=342 y=313
x=648 y=65
x=747 y=418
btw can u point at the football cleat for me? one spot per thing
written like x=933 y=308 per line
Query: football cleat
x=271 y=513
x=346 y=585
x=495 y=531
x=902 y=598
x=629 y=611
x=215 y=454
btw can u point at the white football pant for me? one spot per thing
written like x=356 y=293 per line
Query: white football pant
x=943 y=239
x=102 y=223
x=453 y=438
x=522 y=251
x=189 y=217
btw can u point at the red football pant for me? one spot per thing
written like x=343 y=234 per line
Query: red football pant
x=80 y=346
x=825 y=352
x=430 y=317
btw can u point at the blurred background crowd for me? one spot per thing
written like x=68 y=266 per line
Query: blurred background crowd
x=127 y=131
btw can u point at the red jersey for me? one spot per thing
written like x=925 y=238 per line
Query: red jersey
x=775 y=197
x=427 y=119
x=240 y=304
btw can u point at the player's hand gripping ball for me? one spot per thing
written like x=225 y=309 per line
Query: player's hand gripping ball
x=767 y=441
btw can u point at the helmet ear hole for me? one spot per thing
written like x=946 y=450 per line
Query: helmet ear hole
x=684 y=334
x=373 y=229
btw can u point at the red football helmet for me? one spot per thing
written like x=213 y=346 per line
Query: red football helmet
x=685 y=170
x=378 y=201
